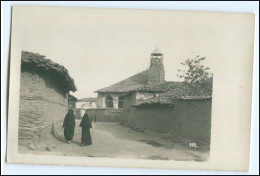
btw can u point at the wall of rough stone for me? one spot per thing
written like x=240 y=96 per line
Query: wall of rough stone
x=105 y=115
x=156 y=73
x=42 y=102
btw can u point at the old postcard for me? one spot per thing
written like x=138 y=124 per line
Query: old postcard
x=130 y=88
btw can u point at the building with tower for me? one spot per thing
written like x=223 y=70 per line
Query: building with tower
x=156 y=72
x=146 y=101
x=112 y=96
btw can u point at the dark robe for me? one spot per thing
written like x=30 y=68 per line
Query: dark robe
x=69 y=126
x=85 y=124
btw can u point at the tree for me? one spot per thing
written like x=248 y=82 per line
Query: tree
x=196 y=73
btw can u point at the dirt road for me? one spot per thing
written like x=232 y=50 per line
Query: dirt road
x=116 y=141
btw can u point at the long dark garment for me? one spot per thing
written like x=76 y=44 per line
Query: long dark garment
x=69 y=126
x=85 y=124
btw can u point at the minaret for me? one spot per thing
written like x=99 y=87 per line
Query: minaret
x=156 y=73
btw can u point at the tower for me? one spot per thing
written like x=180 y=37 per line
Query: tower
x=156 y=72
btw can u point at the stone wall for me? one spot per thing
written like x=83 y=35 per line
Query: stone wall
x=105 y=115
x=190 y=119
x=156 y=72
x=42 y=102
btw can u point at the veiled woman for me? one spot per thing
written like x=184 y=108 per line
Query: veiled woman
x=85 y=124
x=69 y=126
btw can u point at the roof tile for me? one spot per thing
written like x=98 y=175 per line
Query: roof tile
x=176 y=90
x=39 y=61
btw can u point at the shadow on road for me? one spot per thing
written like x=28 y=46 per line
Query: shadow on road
x=58 y=137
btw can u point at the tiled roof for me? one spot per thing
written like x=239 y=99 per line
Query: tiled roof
x=159 y=88
x=184 y=91
x=89 y=99
x=35 y=60
x=128 y=84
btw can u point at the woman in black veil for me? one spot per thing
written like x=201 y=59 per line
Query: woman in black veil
x=69 y=125
x=85 y=124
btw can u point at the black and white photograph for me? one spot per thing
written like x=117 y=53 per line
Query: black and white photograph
x=152 y=86
x=143 y=116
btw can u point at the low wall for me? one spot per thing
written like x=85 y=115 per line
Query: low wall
x=189 y=119
x=77 y=113
x=155 y=117
x=195 y=120
x=105 y=114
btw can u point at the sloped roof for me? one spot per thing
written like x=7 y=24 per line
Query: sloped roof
x=155 y=88
x=183 y=91
x=89 y=99
x=128 y=84
x=41 y=63
x=156 y=52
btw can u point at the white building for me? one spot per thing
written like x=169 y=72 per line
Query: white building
x=85 y=103
x=112 y=96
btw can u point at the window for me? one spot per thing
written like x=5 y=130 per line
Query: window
x=121 y=102
x=109 y=102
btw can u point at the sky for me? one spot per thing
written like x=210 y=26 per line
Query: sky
x=100 y=47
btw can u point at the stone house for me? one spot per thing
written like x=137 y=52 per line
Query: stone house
x=171 y=107
x=44 y=89
x=112 y=96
